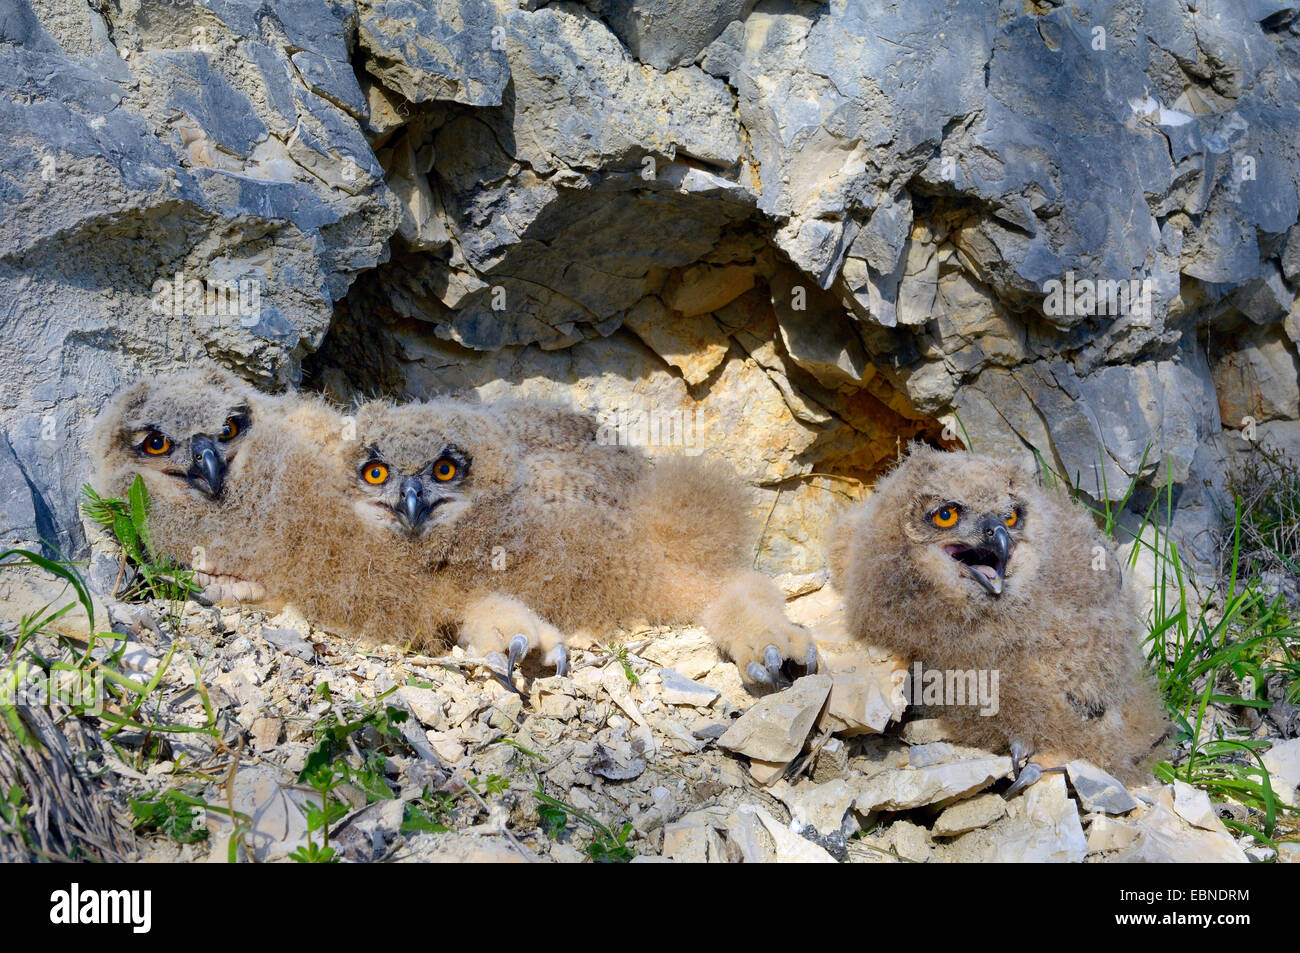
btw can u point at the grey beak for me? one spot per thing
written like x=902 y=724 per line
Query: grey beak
x=207 y=471
x=1002 y=546
x=999 y=540
x=411 y=509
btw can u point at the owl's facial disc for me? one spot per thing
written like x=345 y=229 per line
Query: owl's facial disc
x=415 y=501
x=202 y=462
x=983 y=544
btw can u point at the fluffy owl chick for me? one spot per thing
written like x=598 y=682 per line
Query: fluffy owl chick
x=189 y=437
x=238 y=484
x=534 y=533
x=964 y=564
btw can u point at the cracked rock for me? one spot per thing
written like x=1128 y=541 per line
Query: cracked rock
x=905 y=788
x=1098 y=791
x=970 y=814
x=677 y=689
x=775 y=728
x=1283 y=763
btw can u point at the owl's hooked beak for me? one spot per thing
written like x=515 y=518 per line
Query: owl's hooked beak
x=207 y=470
x=986 y=563
x=411 y=509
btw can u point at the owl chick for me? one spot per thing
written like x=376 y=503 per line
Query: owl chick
x=536 y=534
x=234 y=479
x=188 y=437
x=964 y=564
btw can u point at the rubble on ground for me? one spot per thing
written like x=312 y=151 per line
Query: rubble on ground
x=649 y=748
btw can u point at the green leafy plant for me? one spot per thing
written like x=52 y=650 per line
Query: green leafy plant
x=608 y=847
x=128 y=520
x=335 y=741
x=174 y=813
x=624 y=658
x=14 y=809
x=349 y=750
x=493 y=784
x=94 y=667
x=605 y=846
x=432 y=814
x=180 y=815
x=313 y=853
x=1268 y=485
x=1207 y=655
x=554 y=820
x=323 y=779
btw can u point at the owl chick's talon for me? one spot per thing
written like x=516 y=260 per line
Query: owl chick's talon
x=776 y=672
x=502 y=677
x=518 y=649
x=560 y=657
x=1024 y=771
x=1025 y=776
x=219 y=588
x=756 y=673
x=503 y=668
x=773 y=662
x=1020 y=753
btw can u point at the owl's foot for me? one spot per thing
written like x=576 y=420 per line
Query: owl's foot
x=776 y=672
x=504 y=666
x=495 y=618
x=1024 y=771
x=747 y=620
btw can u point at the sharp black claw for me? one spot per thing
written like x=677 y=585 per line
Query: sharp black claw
x=1025 y=772
x=1019 y=753
x=510 y=685
x=518 y=649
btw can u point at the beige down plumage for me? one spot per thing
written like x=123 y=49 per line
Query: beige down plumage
x=491 y=520
x=235 y=480
x=964 y=563
x=523 y=521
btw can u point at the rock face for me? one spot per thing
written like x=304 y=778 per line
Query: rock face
x=792 y=234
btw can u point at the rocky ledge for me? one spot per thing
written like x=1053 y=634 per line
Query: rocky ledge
x=650 y=749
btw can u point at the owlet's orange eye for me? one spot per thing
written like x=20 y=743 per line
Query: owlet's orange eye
x=444 y=470
x=1013 y=519
x=375 y=473
x=230 y=431
x=945 y=517
x=156 y=444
